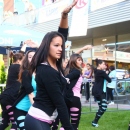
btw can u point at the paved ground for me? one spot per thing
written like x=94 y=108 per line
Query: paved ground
x=93 y=106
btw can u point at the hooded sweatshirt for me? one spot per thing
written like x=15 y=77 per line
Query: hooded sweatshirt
x=100 y=76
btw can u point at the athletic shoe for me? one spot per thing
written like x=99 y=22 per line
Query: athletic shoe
x=94 y=124
x=111 y=103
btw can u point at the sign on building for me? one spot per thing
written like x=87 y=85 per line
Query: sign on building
x=79 y=23
x=97 y=4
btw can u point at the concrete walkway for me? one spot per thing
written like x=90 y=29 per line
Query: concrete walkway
x=91 y=104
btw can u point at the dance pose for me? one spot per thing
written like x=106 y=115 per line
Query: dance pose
x=9 y=95
x=68 y=90
x=72 y=91
x=28 y=90
x=99 y=90
x=47 y=62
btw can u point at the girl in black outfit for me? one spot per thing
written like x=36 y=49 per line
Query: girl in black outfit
x=27 y=80
x=99 y=90
x=69 y=94
x=47 y=63
x=9 y=95
x=72 y=91
x=27 y=91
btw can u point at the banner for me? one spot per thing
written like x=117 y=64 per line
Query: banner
x=52 y=11
x=97 y=4
x=68 y=45
x=22 y=6
x=79 y=23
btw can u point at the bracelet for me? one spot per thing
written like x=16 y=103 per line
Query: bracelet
x=64 y=15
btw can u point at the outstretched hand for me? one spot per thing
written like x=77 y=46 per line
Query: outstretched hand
x=32 y=44
x=87 y=47
x=68 y=9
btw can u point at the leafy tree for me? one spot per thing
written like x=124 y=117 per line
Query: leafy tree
x=2 y=74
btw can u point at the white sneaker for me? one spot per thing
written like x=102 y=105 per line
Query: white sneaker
x=111 y=103
x=95 y=124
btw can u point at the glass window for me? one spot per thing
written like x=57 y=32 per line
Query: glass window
x=123 y=60
x=123 y=52
x=104 y=48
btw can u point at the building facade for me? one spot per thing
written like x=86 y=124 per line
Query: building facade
x=108 y=31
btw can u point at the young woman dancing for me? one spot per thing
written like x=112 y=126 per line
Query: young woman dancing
x=9 y=95
x=99 y=90
x=47 y=62
x=72 y=91
x=28 y=89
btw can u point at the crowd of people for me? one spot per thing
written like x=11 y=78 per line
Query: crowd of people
x=43 y=88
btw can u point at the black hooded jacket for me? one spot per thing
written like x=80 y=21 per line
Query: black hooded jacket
x=100 y=76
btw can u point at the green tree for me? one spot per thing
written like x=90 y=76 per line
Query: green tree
x=2 y=75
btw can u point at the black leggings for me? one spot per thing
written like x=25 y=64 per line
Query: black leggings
x=19 y=117
x=102 y=103
x=7 y=117
x=110 y=94
x=74 y=109
x=87 y=91
x=34 y=124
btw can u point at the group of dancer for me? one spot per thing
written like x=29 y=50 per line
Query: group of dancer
x=43 y=89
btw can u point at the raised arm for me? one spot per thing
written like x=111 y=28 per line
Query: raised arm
x=63 y=27
x=64 y=16
x=87 y=47
x=23 y=48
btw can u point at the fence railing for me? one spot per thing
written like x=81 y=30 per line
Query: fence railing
x=121 y=97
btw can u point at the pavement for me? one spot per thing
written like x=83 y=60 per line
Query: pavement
x=94 y=106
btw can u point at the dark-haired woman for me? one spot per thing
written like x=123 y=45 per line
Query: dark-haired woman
x=47 y=63
x=112 y=85
x=99 y=90
x=28 y=89
x=9 y=95
x=65 y=68
x=28 y=82
x=49 y=100
x=72 y=91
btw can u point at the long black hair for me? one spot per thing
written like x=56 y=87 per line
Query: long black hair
x=43 y=51
x=98 y=61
